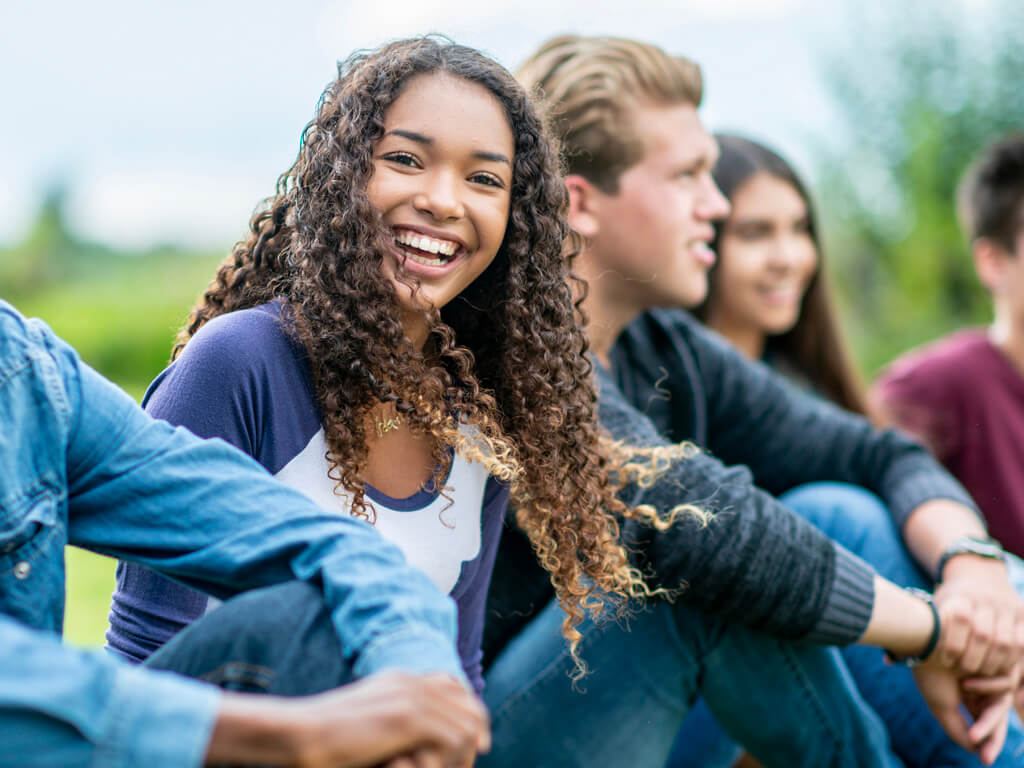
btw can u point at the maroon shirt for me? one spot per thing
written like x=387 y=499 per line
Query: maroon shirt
x=963 y=397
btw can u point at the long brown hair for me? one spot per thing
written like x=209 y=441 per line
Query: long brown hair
x=507 y=356
x=814 y=346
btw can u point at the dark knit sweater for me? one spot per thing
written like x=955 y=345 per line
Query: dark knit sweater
x=756 y=563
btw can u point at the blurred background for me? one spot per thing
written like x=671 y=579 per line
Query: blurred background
x=138 y=137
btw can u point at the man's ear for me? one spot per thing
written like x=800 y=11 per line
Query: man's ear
x=990 y=260
x=584 y=199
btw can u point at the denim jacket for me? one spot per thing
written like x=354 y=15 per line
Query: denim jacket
x=81 y=464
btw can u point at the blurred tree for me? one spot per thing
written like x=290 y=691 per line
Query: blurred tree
x=921 y=87
x=37 y=260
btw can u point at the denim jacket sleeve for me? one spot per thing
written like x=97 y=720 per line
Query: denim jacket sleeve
x=63 y=706
x=210 y=516
x=126 y=485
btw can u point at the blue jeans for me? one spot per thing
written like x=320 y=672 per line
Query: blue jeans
x=860 y=522
x=278 y=640
x=790 y=705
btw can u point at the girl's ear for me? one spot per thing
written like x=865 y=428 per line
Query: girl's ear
x=583 y=197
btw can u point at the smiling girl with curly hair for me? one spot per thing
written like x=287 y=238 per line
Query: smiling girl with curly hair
x=397 y=338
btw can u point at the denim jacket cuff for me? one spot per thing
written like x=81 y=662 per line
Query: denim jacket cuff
x=156 y=718
x=420 y=651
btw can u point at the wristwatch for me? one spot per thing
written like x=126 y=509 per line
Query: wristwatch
x=968 y=545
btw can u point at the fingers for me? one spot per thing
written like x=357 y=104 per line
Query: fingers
x=428 y=758
x=956 y=631
x=990 y=727
x=1018 y=636
x=988 y=686
x=1001 y=650
x=991 y=722
x=454 y=719
x=411 y=721
x=955 y=726
x=980 y=639
x=983 y=627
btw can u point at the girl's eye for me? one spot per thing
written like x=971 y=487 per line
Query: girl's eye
x=752 y=231
x=487 y=179
x=402 y=158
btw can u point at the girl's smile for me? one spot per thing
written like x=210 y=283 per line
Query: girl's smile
x=430 y=249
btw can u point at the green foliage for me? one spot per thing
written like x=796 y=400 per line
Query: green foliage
x=120 y=310
x=922 y=87
x=122 y=317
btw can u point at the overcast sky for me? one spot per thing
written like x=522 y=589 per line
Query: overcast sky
x=169 y=121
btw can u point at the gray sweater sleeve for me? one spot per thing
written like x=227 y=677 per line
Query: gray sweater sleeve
x=788 y=438
x=755 y=562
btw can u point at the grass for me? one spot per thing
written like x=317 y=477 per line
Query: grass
x=90 y=583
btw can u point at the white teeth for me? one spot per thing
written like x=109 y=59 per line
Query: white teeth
x=428 y=262
x=424 y=243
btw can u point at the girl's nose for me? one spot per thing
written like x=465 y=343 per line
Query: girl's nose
x=440 y=198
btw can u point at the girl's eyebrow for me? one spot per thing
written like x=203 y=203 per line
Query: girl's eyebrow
x=494 y=157
x=419 y=138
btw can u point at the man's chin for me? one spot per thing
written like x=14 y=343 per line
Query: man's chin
x=685 y=299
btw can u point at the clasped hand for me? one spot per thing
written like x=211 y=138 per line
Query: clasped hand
x=979 y=658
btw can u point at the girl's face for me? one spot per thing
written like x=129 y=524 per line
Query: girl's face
x=767 y=257
x=442 y=180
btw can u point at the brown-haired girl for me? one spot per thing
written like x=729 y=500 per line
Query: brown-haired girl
x=767 y=292
x=396 y=338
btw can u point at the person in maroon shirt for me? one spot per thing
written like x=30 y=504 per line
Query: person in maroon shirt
x=964 y=395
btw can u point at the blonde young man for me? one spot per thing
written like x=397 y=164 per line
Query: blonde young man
x=639 y=164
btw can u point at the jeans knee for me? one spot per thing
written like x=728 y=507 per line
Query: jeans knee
x=843 y=511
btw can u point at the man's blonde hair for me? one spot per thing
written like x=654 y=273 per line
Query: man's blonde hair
x=590 y=88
